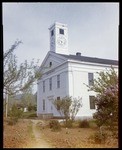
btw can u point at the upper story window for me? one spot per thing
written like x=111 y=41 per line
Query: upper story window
x=92 y=102
x=52 y=32
x=61 y=31
x=58 y=81
x=50 y=64
x=91 y=79
x=43 y=86
x=50 y=84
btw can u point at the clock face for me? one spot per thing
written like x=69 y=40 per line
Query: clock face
x=61 y=41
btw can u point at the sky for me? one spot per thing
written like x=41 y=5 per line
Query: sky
x=92 y=28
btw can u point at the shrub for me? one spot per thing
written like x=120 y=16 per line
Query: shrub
x=100 y=137
x=54 y=125
x=29 y=115
x=83 y=124
x=69 y=123
x=14 y=114
x=32 y=107
x=92 y=123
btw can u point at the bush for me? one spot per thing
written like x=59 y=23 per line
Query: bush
x=14 y=114
x=100 y=137
x=32 y=107
x=54 y=125
x=69 y=123
x=83 y=124
x=29 y=115
x=92 y=124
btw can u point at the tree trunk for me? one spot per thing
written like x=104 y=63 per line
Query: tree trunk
x=6 y=105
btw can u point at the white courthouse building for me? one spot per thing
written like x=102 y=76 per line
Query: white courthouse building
x=66 y=75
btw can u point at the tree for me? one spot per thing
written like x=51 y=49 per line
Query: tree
x=18 y=78
x=74 y=108
x=28 y=100
x=63 y=106
x=68 y=107
x=106 y=100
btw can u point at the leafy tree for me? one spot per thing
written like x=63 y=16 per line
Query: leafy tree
x=18 y=78
x=63 y=106
x=28 y=98
x=106 y=87
x=68 y=107
x=74 y=108
x=14 y=114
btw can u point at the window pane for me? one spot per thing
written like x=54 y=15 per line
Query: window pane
x=43 y=104
x=50 y=64
x=58 y=105
x=92 y=102
x=43 y=86
x=52 y=32
x=58 y=81
x=61 y=31
x=50 y=83
x=90 y=78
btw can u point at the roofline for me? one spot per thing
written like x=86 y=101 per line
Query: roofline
x=91 y=63
x=86 y=57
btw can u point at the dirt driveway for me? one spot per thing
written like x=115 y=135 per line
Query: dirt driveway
x=39 y=141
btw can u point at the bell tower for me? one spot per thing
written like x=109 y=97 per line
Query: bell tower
x=59 y=38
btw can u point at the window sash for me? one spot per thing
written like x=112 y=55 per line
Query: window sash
x=43 y=86
x=58 y=81
x=92 y=102
x=50 y=64
x=91 y=79
x=52 y=32
x=58 y=107
x=61 y=31
x=43 y=104
x=50 y=83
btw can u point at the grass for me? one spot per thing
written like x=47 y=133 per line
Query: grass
x=30 y=130
x=74 y=137
x=31 y=114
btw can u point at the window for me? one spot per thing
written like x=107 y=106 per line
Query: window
x=92 y=102
x=58 y=81
x=91 y=78
x=52 y=32
x=58 y=106
x=43 y=86
x=50 y=64
x=61 y=31
x=43 y=104
x=50 y=83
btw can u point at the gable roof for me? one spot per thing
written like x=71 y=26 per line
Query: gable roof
x=90 y=59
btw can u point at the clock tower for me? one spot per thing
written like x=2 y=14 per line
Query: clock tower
x=59 y=38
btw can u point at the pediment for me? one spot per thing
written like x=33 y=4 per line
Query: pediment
x=51 y=61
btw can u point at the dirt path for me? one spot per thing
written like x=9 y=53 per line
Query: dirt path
x=40 y=142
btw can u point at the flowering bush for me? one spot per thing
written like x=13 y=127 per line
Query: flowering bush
x=106 y=87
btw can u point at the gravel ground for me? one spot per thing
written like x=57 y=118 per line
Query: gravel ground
x=34 y=134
